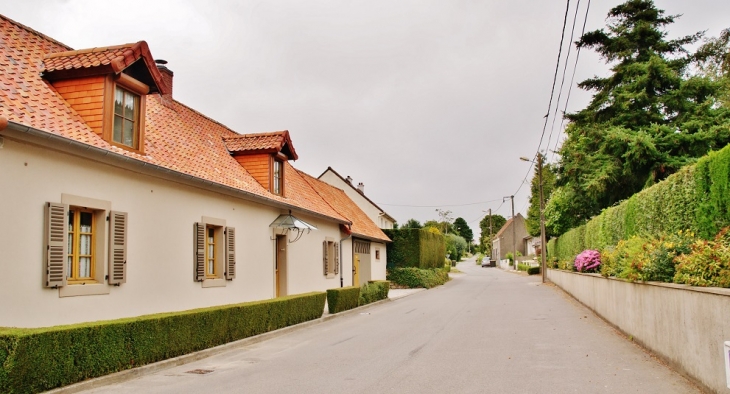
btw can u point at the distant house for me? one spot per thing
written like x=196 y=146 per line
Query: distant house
x=376 y=214
x=502 y=241
x=119 y=201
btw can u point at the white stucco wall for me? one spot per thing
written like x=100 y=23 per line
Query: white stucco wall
x=160 y=242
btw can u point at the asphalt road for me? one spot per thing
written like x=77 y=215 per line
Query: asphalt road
x=486 y=331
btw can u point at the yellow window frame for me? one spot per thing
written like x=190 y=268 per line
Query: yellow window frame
x=75 y=238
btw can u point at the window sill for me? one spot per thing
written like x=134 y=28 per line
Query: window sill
x=83 y=290
x=330 y=276
x=214 y=283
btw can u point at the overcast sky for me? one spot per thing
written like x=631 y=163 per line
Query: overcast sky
x=429 y=103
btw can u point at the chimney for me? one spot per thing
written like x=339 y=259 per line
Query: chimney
x=348 y=179
x=167 y=75
x=361 y=188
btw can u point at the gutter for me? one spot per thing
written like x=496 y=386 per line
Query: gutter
x=45 y=139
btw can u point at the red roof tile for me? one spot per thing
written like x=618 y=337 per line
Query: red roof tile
x=176 y=137
x=261 y=142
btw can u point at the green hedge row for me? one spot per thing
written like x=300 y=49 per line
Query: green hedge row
x=696 y=198
x=35 y=360
x=412 y=277
x=343 y=298
x=533 y=270
x=412 y=247
x=375 y=290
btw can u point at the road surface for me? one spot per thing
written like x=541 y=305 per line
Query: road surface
x=486 y=331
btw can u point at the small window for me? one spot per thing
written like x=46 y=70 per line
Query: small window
x=277 y=178
x=81 y=239
x=126 y=118
x=331 y=258
x=211 y=256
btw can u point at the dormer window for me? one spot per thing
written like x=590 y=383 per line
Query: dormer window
x=107 y=87
x=126 y=118
x=264 y=156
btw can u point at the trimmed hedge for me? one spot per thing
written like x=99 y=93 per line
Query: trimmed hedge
x=342 y=298
x=412 y=247
x=696 y=198
x=533 y=270
x=374 y=290
x=35 y=360
x=412 y=277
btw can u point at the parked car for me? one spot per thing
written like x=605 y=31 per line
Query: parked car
x=485 y=262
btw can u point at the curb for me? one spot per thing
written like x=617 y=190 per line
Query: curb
x=148 y=369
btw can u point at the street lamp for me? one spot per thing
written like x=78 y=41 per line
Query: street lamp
x=543 y=243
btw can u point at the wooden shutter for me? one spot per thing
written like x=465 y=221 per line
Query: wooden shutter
x=230 y=234
x=337 y=258
x=56 y=241
x=117 y=248
x=325 y=257
x=199 y=252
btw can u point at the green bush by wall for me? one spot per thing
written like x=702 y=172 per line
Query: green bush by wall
x=412 y=277
x=374 y=291
x=412 y=247
x=342 y=299
x=35 y=360
x=696 y=198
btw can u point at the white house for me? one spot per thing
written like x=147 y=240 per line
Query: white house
x=374 y=212
x=119 y=201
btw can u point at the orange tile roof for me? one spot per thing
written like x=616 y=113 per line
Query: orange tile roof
x=176 y=137
x=361 y=223
x=261 y=142
x=117 y=58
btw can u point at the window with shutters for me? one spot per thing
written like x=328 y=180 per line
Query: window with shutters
x=330 y=258
x=215 y=252
x=77 y=232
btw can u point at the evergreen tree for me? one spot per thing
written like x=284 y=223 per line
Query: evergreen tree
x=485 y=243
x=462 y=229
x=647 y=119
x=412 y=223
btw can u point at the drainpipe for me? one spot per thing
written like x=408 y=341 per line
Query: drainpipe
x=349 y=235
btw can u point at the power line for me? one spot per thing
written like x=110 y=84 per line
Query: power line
x=439 y=206
x=565 y=69
x=552 y=94
x=572 y=78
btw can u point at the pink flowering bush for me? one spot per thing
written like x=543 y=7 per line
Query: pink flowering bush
x=588 y=261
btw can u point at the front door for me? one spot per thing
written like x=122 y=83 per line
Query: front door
x=356 y=270
x=280 y=266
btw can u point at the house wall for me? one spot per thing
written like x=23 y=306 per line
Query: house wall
x=160 y=242
x=367 y=207
x=377 y=266
x=505 y=239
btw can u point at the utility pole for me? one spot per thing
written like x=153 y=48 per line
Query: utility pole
x=543 y=243
x=491 y=252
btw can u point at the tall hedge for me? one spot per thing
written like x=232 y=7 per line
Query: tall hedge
x=412 y=247
x=696 y=198
x=35 y=360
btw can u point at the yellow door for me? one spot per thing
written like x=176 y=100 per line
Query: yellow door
x=356 y=271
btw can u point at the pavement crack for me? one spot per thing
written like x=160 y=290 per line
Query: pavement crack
x=416 y=350
x=339 y=342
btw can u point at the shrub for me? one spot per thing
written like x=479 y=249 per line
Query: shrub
x=415 y=248
x=416 y=278
x=625 y=260
x=35 y=360
x=707 y=264
x=588 y=261
x=374 y=291
x=343 y=298
x=533 y=270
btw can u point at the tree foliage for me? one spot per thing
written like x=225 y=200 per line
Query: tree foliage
x=485 y=244
x=533 y=211
x=412 y=223
x=462 y=229
x=652 y=115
